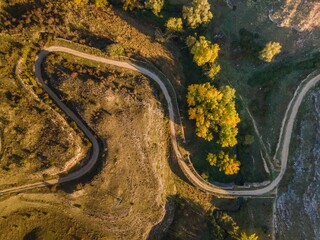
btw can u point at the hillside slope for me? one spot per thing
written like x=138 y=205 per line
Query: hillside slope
x=301 y=15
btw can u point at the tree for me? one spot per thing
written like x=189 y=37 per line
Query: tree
x=81 y=2
x=174 y=24
x=101 y=3
x=225 y=163
x=269 y=51
x=227 y=136
x=154 y=5
x=203 y=50
x=229 y=118
x=212 y=70
x=190 y=41
x=244 y=236
x=203 y=101
x=197 y=13
x=214 y=111
x=130 y=5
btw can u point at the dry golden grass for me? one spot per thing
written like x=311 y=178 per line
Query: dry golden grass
x=121 y=109
x=34 y=139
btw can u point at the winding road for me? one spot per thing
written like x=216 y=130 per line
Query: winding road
x=184 y=163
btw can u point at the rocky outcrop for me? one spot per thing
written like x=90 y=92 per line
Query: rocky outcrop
x=297 y=206
x=302 y=15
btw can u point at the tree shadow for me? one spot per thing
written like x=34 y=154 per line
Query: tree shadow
x=184 y=219
x=159 y=230
x=132 y=21
x=89 y=38
x=18 y=9
x=33 y=234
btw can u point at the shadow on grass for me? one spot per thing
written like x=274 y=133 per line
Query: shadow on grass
x=89 y=38
x=33 y=234
x=184 y=219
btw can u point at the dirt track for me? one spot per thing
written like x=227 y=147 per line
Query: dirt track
x=195 y=178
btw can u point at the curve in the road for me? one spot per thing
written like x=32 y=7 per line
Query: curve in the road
x=184 y=163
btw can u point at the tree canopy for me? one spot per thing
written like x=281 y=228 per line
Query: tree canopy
x=130 y=5
x=269 y=51
x=81 y=2
x=154 y=5
x=101 y=3
x=214 y=112
x=225 y=163
x=203 y=50
x=174 y=24
x=212 y=70
x=197 y=13
x=244 y=236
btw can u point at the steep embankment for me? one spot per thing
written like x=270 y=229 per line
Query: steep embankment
x=297 y=208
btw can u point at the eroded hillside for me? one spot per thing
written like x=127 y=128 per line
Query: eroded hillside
x=121 y=109
x=301 y=15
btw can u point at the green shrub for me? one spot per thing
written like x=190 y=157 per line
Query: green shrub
x=115 y=50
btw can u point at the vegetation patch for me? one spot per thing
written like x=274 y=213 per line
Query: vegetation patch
x=121 y=109
x=32 y=140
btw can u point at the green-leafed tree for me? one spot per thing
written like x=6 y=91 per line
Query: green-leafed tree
x=269 y=51
x=154 y=5
x=197 y=13
x=174 y=24
x=203 y=50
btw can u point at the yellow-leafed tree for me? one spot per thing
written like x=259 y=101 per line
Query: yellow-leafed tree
x=224 y=162
x=197 y=13
x=130 y=5
x=205 y=54
x=203 y=50
x=203 y=101
x=174 y=24
x=212 y=70
x=244 y=236
x=101 y=3
x=155 y=5
x=229 y=118
x=81 y=2
x=214 y=112
x=269 y=51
